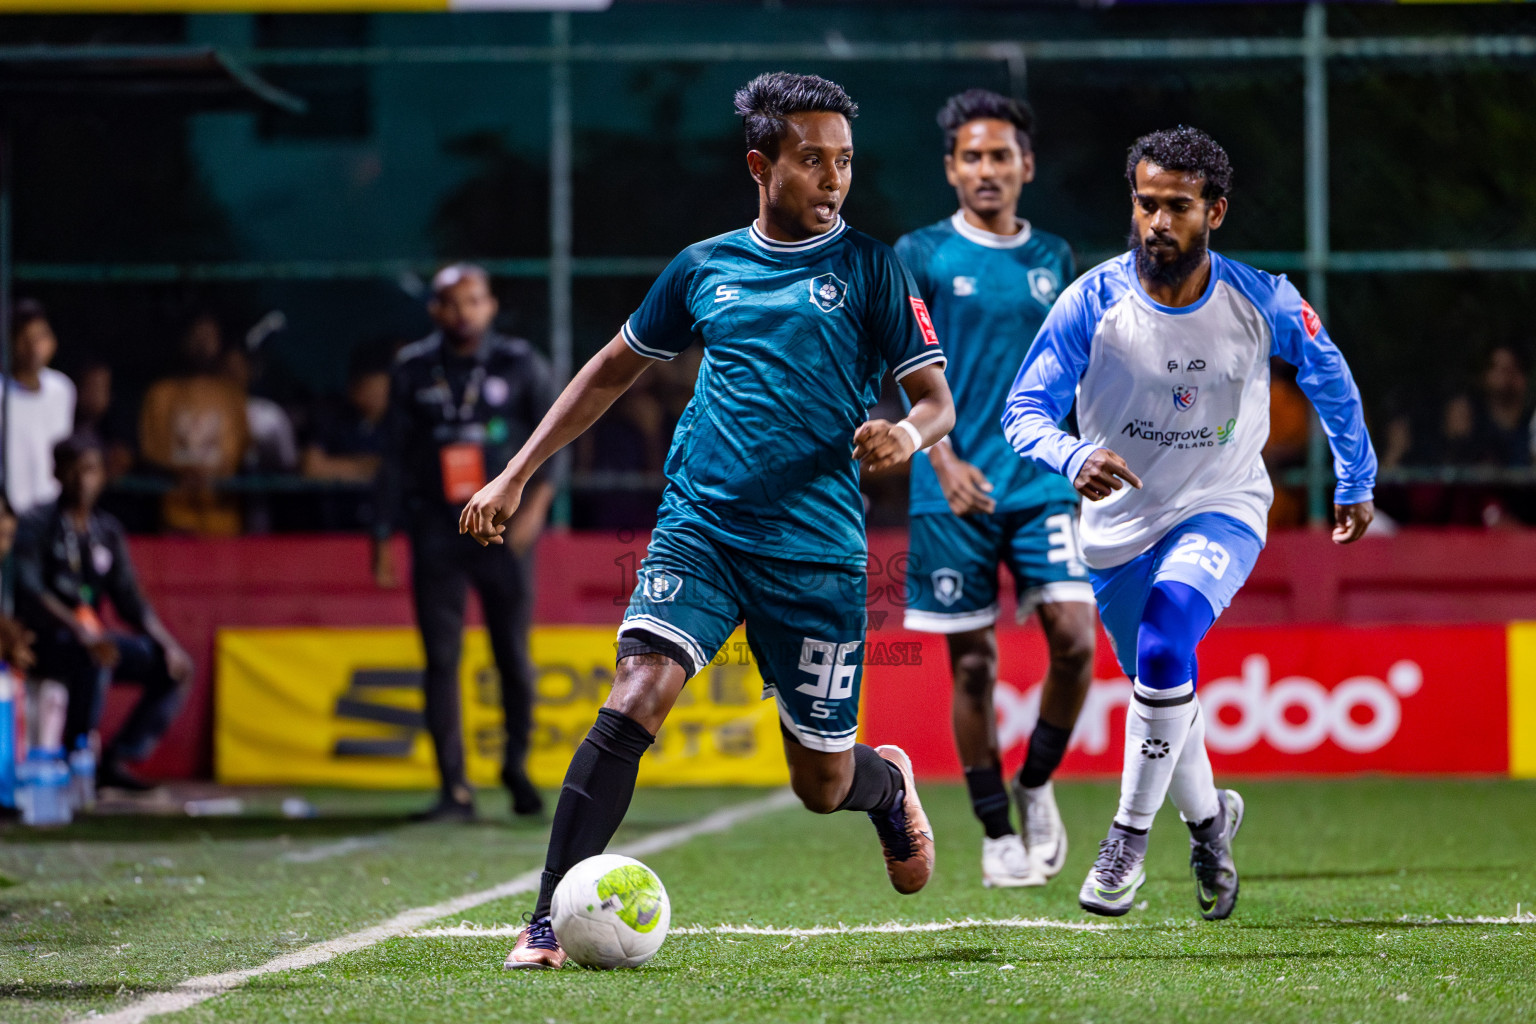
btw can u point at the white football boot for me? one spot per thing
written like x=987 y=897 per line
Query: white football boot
x=1044 y=834
x=1110 y=888
x=1005 y=864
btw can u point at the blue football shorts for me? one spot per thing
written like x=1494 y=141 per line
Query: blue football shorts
x=1211 y=552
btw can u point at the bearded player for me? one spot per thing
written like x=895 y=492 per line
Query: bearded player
x=799 y=317
x=1167 y=351
x=989 y=279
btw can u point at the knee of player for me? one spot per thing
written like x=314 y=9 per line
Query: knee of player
x=975 y=673
x=822 y=785
x=637 y=702
x=1071 y=651
x=1161 y=663
x=644 y=687
x=819 y=795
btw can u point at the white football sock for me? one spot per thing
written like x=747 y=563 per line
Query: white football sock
x=1156 y=726
x=1193 y=790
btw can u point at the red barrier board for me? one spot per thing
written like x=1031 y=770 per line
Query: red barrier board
x=1277 y=700
x=1446 y=576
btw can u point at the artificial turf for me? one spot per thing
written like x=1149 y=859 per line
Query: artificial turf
x=1339 y=880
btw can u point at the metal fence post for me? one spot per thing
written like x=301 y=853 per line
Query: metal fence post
x=7 y=265
x=1316 y=127
x=560 y=231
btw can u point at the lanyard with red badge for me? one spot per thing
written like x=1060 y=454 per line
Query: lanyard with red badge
x=84 y=611
x=463 y=461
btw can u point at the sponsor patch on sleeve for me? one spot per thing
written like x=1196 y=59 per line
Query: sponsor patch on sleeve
x=924 y=321
x=1310 y=320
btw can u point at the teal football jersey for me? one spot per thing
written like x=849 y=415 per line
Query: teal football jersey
x=796 y=338
x=988 y=295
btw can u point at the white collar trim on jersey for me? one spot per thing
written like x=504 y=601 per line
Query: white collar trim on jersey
x=987 y=238
x=814 y=242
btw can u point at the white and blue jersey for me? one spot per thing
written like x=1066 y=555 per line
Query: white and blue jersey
x=1182 y=394
x=796 y=337
x=989 y=295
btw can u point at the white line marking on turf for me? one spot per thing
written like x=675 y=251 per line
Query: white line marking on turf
x=326 y=851
x=1425 y=922
x=468 y=930
x=197 y=990
x=898 y=927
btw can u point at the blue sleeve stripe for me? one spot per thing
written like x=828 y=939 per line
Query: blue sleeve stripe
x=1076 y=460
x=919 y=361
x=645 y=350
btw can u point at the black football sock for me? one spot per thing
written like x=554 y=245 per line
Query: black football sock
x=989 y=800
x=876 y=782
x=1047 y=746
x=1207 y=830
x=594 y=797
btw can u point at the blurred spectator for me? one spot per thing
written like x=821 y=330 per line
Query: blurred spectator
x=1487 y=426
x=15 y=639
x=1505 y=408
x=69 y=556
x=462 y=401
x=347 y=436
x=40 y=409
x=194 y=426
x=97 y=418
x=346 y=441
x=273 y=445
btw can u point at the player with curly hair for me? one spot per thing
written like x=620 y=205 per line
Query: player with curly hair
x=1166 y=351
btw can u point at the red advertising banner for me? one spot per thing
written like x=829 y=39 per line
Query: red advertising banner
x=1427 y=699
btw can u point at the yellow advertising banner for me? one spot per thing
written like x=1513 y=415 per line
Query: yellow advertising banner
x=344 y=707
x=1522 y=700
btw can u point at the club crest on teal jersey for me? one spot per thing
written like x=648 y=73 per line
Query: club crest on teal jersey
x=948 y=586
x=1043 y=284
x=660 y=585
x=828 y=292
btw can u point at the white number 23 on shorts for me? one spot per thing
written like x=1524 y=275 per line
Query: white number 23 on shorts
x=1202 y=551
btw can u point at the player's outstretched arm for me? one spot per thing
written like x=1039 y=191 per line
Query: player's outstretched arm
x=881 y=444
x=593 y=390
x=1301 y=340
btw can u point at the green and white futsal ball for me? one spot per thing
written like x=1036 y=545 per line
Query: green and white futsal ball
x=610 y=911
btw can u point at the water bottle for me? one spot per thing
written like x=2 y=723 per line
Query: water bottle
x=42 y=790
x=82 y=776
x=7 y=736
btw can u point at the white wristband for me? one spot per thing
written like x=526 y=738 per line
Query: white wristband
x=913 y=433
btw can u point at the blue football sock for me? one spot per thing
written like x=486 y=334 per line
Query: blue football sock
x=1163 y=709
